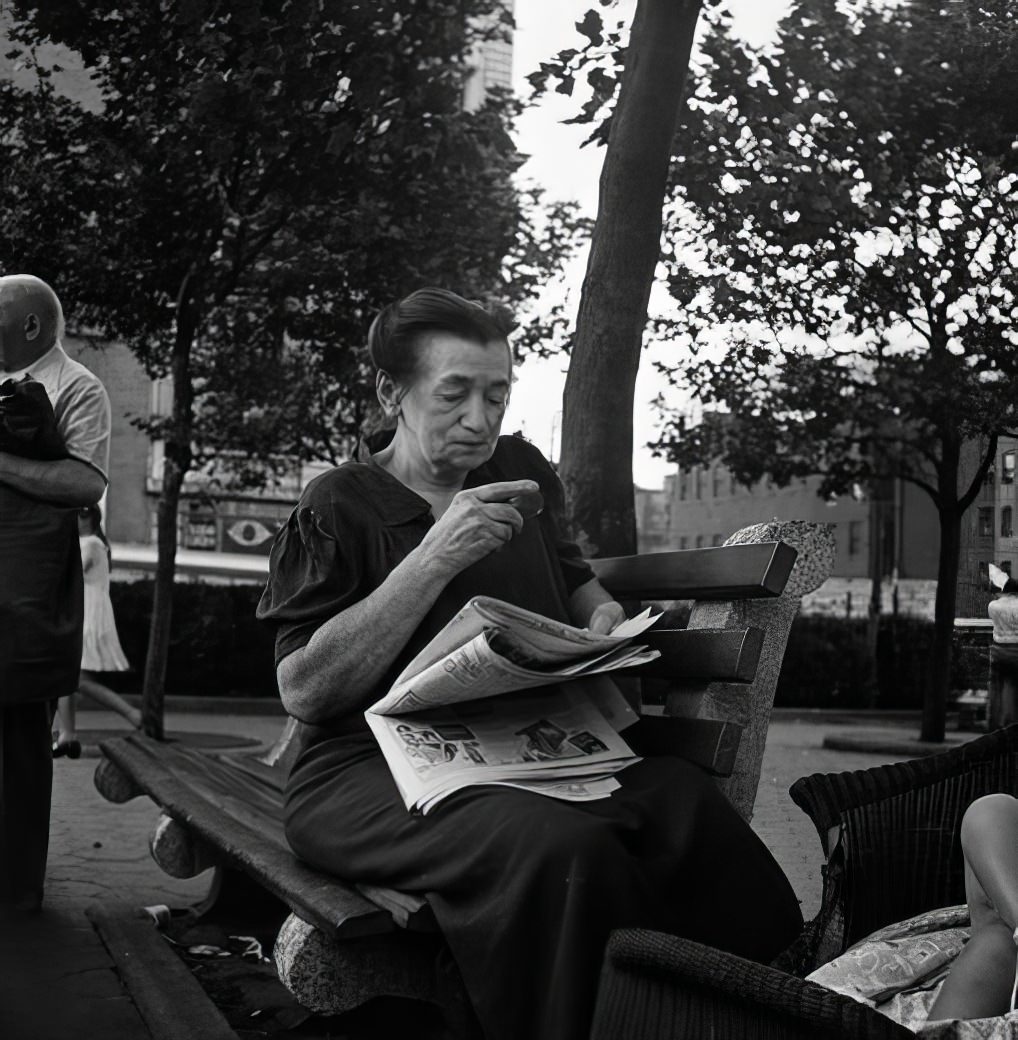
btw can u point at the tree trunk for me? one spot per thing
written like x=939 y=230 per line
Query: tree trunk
x=935 y=696
x=597 y=420
x=157 y=655
x=176 y=463
x=876 y=571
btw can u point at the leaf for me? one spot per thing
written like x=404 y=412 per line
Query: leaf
x=565 y=85
x=591 y=26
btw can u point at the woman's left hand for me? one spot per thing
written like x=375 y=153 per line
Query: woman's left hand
x=605 y=617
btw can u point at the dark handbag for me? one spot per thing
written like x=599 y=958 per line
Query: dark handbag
x=28 y=426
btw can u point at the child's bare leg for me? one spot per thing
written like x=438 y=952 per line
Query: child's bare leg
x=94 y=689
x=66 y=731
x=981 y=979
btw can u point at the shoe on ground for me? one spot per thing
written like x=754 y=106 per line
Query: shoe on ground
x=68 y=748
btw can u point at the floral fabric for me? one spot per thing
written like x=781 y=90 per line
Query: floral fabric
x=899 y=969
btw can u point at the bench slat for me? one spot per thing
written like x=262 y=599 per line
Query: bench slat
x=708 y=743
x=726 y=655
x=325 y=902
x=754 y=570
x=224 y=780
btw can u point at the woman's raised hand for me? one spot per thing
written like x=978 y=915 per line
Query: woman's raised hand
x=478 y=521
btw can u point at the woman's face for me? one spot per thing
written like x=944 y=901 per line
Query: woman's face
x=451 y=415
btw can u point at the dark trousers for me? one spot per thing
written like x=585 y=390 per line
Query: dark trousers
x=1002 y=709
x=26 y=786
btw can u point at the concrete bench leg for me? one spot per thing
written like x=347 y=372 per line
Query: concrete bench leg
x=330 y=976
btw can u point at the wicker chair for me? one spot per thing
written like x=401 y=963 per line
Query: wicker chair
x=656 y=986
x=891 y=836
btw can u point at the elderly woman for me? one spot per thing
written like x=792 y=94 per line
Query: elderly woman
x=378 y=555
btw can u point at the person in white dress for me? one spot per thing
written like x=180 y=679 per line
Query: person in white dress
x=100 y=645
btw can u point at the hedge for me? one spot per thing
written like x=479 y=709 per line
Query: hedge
x=218 y=648
x=826 y=664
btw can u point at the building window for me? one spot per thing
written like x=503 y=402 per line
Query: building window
x=698 y=478
x=683 y=485
x=1007 y=467
x=716 y=475
x=854 y=537
x=1006 y=530
x=699 y=541
x=986 y=522
x=683 y=542
x=717 y=539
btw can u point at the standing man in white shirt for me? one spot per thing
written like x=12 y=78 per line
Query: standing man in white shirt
x=41 y=492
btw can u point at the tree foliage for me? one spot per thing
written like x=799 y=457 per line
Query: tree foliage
x=285 y=169
x=258 y=180
x=842 y=248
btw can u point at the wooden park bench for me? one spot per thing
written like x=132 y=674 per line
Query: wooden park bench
x=345 y=943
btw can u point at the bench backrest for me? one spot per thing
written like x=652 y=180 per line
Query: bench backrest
x=724 y=666
x=750 y=707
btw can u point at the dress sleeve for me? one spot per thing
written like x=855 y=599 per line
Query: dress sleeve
x=314 y=573
x=575 y=569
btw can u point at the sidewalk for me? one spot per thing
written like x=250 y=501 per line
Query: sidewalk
x=57 y=980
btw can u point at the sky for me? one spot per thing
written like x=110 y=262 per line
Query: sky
x=567 y=171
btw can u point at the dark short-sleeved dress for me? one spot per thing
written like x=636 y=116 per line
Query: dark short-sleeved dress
x=526 y=888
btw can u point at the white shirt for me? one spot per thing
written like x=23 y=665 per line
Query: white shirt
x=1004 y=615
x=80 y=404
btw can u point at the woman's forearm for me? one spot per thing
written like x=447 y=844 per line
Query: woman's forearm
x=586 y=599
x=338 y=670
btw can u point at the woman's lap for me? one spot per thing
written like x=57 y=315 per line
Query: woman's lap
x=526 y=888
x=669 y=828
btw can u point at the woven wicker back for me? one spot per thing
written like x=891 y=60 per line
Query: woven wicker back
x=661 y=987
x=897 y=850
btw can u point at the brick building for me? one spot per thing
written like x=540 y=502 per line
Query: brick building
x=988 y=528
x=893 y=532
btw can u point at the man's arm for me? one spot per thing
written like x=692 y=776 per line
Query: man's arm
x=64 y=482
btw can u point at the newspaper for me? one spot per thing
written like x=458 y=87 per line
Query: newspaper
x=505 y=696
x=559 y=735
x=491 y=647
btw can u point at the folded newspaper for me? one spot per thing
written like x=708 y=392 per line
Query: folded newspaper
x=503 y=695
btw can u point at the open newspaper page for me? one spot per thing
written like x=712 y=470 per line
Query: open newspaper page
x=561 y=740
x=491 y=647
